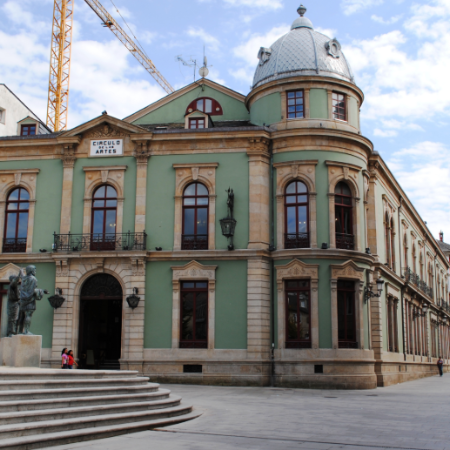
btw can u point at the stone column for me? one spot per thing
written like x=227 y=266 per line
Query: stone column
x=377 y=325
x=358 y=225
x=372 y=211
x=330 y=104
x=334 y=315
x=307 y=104
x=259 y=193
x=258 y=308
x=68 y=159
x=142 y=156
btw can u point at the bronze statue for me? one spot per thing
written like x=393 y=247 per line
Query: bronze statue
x=13 y=303
x=29 y=293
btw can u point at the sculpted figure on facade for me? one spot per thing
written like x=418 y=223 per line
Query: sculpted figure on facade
x=13 y=303
x=29 y=293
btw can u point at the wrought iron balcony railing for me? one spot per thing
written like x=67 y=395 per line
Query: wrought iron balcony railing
x=345 y=241
x=15 y=245
x=194 y=242
x=413 y=278
x=100 y=242
x=296 y=240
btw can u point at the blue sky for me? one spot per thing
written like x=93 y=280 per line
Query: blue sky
x=398 y=49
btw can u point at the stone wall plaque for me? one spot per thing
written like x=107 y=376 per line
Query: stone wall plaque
x=106 y=147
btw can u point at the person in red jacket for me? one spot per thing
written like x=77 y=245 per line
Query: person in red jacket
x=440 y=365
x=71 y=360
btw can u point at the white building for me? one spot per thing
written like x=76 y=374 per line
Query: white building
x=16 y=119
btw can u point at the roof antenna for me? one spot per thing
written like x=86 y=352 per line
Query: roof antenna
x=204 y=71
x=190 y=63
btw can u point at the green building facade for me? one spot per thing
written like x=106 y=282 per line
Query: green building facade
x=331 y=279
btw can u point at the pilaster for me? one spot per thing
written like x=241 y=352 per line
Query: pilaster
x=68 y=159
x=142 y=155
x=259 y=175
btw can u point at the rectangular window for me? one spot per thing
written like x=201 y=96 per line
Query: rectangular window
x=346 y=314
x=339 y=106
x=28 y=130
x=194 y=314
x=196 y=124
x=295 y=105
x=298 y=314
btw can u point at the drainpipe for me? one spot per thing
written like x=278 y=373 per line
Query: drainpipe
x=402 y=291
x=272 y=268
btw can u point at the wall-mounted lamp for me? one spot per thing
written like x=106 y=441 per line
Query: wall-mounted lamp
x=368 y=293
x=368 y=252
x=324 y=246
x=133 y=300
x=56 y=301
x=421 y=312
x=228 y=224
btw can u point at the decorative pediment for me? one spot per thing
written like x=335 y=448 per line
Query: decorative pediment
x=297 y=269
x=104 y=127
x=296 y=170
x=194 y=271
x=7 y=271
x=348 y=270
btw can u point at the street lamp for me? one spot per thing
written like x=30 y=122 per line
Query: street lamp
x=422 y=313
x=228 y=224
x=368 y=293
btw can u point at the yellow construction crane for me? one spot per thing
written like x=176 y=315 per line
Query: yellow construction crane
x=60 y=57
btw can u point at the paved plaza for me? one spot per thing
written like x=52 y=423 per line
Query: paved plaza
x=412 y=415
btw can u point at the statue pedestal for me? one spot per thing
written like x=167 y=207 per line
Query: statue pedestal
x=21 y=351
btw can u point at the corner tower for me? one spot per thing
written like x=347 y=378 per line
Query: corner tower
x=304 y=80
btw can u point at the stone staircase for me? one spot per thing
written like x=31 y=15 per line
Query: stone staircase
x=41 y=408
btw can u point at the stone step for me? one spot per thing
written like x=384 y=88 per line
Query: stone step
x=91 y=433
x=107 y=420
x=68 y=382
x=49 y=374
x=44 y=403
x=70 y=412
x=79 y=392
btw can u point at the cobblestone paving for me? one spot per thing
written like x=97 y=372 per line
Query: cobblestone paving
x=412 y=415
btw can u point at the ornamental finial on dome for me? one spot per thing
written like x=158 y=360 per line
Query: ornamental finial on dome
x=301 y=10
x=302 y=22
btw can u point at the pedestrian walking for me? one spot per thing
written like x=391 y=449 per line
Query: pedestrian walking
x=64 y=359
x=440 y=365
x=71 y=361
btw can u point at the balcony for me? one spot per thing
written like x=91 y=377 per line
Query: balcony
x=413 y=278
x=296 y=240
x=15 y=245
x=194 y=242
x=100 y=242
x=345 y=241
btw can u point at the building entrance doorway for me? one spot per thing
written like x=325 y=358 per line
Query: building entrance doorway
x=100 y=332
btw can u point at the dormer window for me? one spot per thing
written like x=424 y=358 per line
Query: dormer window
x=206 y=105
x=295 y=105
x=339 y=106
x=28 y=130
x=195 y=124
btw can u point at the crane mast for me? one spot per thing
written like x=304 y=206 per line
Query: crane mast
x=60 y=57
x=147 y=63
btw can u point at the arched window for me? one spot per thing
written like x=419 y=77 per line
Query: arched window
x=387 y=240
x=206 y=105
x=296 y=203
x=195 y=217
x=104 y=215
x=421 y=266
x=414 y=258
x=430 y=276
x=405 y=251
x=16 y=221
x=393 y=245
x=343 y=202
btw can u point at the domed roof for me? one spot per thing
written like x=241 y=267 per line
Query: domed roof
x=302 y=51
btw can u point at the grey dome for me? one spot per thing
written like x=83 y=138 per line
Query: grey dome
x=302 y=51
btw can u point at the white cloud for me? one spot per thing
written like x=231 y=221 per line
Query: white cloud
x=423 y=171
x=247 y=52
x=390 y=21
x=385 y=133
x=208 y=39
x=403 y=84
x=268 y=4
x=354 y=6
